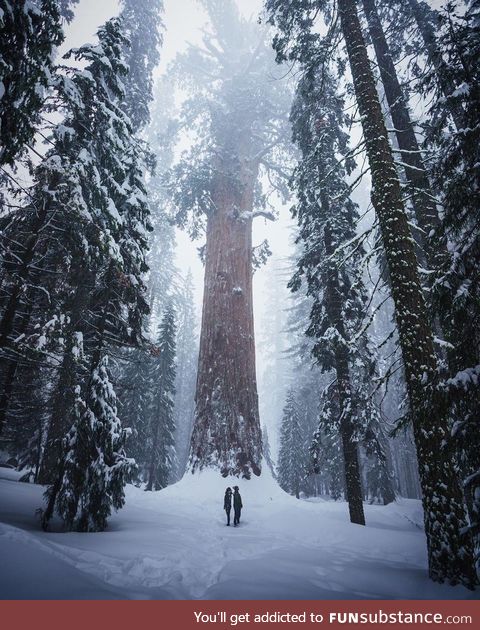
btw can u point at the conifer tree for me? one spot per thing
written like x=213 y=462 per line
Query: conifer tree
x=29 y=33
x=94 y=468
x=134 y=388
x=326 y=460
x=424 y=203
x=291 y=456
x=161 y=457
x=266 y=451
x=325 y=226
x=106 y=302
x=143 y=30
x=450 y=557
x=456 y=174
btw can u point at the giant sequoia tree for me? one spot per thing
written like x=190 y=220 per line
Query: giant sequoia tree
x=450 y=557
x=238 y=115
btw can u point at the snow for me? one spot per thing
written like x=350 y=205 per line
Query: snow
x=174 y=544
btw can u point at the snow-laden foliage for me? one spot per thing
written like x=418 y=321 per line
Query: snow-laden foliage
x=453 y=136
x=292 y=458
x=89 y=191
x=330 y=263
x=66 y=8
x=144 y=31
x=94 y=467
x=161 y=456
x=29 y=33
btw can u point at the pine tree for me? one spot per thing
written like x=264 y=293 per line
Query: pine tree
x=325 y=226
x=326 y=460
x=94 y=468
x=134 y=388
x=457 y=290
x=379 y=484
x=107 y=303
x=161 y=457
x=29 y=33
x=449 y=556
x=266 y=451
x=291 y=456
x=143 y=29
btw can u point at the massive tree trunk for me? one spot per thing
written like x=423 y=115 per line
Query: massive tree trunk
x=450 y=557
x=226 y=433
x=334 y=299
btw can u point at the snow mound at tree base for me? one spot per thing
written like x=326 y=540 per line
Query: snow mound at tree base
x=209 y=485
x=174 y=544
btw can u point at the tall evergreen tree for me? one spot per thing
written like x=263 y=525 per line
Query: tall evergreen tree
x=161 y=456
x=29 y=33
x=96 y=171
x=327 y=218
x=106 y=302
x=424 y=203
x=450 y=557
x=94 y=469
x=143 y=29
x=292 y=456
x=456 y=174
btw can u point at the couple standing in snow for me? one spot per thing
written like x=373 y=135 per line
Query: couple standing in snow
x=237 y=505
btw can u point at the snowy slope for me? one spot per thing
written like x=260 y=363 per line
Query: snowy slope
x=174 y=544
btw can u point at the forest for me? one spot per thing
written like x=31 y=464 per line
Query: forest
x=240 y=244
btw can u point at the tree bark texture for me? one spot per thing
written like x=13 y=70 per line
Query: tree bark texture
x=450 y=557
x=334 y=299
x=227 y=433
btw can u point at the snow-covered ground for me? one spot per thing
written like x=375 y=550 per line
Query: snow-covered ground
x=174 y=544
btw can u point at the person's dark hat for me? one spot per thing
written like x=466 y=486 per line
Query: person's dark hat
x=235 y=487
x=228 y=489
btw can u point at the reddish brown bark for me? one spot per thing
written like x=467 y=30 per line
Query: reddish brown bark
x=227 y=432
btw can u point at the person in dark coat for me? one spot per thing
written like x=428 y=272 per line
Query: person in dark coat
x=227 y=503
x=237 y=506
